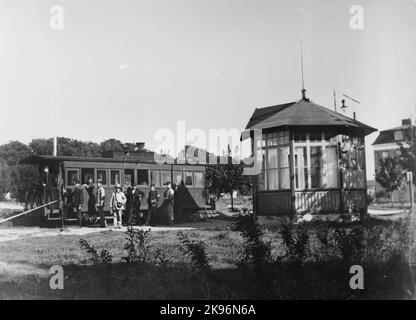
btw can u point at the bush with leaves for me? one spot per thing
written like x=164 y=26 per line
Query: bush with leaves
x=102 y=257
x=256 y=253
x=196 y=251
x=296 y=240
x=350 y=243
x=137 y=245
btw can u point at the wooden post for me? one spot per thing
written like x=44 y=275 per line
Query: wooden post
x=410 y=180
x=292 y=174
x=365 y=175
x=60 y=204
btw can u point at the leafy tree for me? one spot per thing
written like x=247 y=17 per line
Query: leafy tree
x=112 y=145
x=14 y=178
x=228 y=177
x=13 y=152
x=73 y=147
x=41 y=146
x=392 y=173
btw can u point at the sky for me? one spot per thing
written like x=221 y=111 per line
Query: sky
x=126 y=69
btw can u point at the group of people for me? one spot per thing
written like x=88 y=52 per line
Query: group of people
x=122 y=203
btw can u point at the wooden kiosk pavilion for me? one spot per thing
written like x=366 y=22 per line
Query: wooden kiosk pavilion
x=313 y=160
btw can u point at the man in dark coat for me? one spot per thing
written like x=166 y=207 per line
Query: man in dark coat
x=137 y=196
x=78 y=200
x=68 y=208
x=152 y=202
x=100 y=198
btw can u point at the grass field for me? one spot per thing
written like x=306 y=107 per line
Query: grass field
x=321 y=272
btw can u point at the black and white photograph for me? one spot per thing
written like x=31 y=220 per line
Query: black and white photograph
x=218 y=152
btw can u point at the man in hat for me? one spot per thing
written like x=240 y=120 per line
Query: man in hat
x=100 y=199
x=78 y=199
x=118 y=202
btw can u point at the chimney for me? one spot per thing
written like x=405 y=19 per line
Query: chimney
x=139 y=146
x=406 y=123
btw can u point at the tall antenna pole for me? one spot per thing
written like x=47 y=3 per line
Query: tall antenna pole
x=301 y=67
x=335 y=99
x=301 y=64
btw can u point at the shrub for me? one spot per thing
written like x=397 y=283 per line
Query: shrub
x=137 y=245
x=103 y=257
x=196 y=250
x=350 y=243
x=256 y=252
x=296 y=240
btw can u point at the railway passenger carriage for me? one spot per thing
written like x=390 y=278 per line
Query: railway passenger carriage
x=118 y=167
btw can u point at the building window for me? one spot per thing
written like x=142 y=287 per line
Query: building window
x=284 y=171
x=102 y=175
x=301 y=168
x=275 y=162
x=143 y=177
x=155 y=177
x=398 y=135
x=331 y=167
x=316 y=161
x=86 y=175
x=272 y=170
x=115 y=177
x=316 y=167
x=72 y=175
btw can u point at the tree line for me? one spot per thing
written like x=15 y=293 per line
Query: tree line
x=20 y=179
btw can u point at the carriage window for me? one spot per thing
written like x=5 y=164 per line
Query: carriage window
x=155 y=178
x=143 y=177
x=102 y=174
x=128 y=177
x=199 y=179
x=177 y=177
x=188 y=177
x=86 y=174
x=115 y=177
x=165 y=177
x=71 y=176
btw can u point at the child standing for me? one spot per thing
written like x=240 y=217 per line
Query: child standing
x=118 y=201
